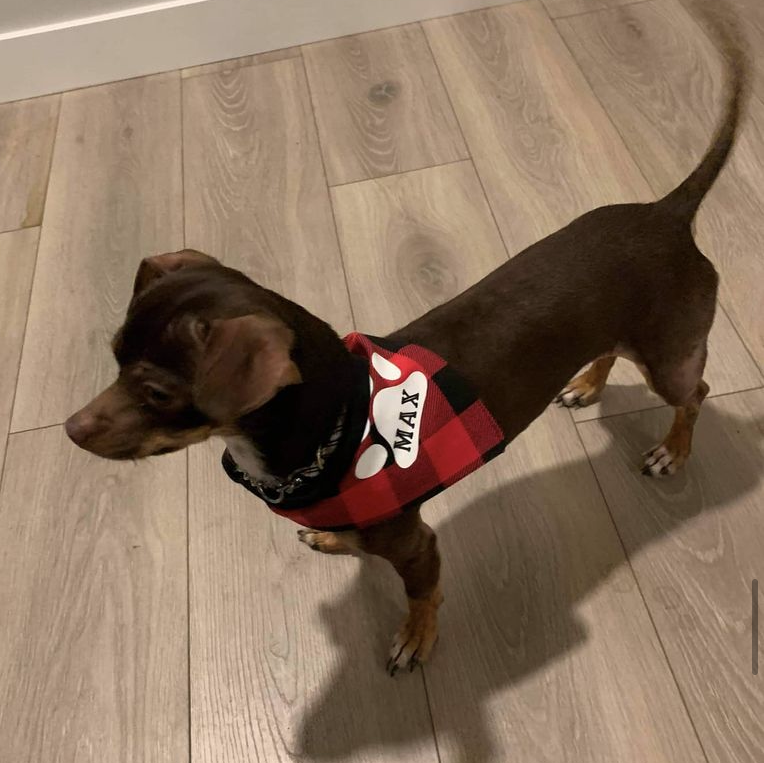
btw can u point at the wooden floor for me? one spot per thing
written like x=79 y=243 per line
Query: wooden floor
x=154 y=613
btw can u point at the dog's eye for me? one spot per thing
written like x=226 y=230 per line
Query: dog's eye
x=156 y=395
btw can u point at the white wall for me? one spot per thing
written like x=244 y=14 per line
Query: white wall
x=178 y=33
x=17 y=15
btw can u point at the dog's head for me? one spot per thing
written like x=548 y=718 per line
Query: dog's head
x=201 y=346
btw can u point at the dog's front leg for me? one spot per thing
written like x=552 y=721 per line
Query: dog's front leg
x=411 y=547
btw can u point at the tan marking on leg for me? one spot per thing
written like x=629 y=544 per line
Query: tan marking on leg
x=412 y=548
x=414 y=641
x=673 y=452
x=586 y=387
x=329 y=542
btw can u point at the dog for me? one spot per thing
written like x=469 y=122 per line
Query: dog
x=205 y=351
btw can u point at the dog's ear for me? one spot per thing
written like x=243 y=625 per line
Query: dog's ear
x=244 y=362
x=161 y=264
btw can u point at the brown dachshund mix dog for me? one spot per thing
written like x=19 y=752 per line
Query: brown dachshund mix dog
x=206 y=351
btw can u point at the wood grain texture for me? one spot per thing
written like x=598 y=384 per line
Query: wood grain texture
x=238 y=63
x=114 y=197
x=18 y=251
x=288 y=646
x=418 y=238
x=560 y=8
x=546 y=651
x=751 y=15
x=27 y=131
x=695 y=543
x=93 y=637
x=663 y=85
x=256 y=196
x=543 y=147
x=380 y=105
x=729 y=368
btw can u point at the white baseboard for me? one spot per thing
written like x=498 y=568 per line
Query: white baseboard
x=177 y=33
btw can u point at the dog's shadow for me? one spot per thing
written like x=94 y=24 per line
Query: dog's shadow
x=518 y=577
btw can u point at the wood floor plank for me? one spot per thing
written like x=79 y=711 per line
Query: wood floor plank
x=543 y=146
x=27 y=131
x=237 y=63
x=546 y=652
x=695 y=544
x=273 y=624
x=380 y=105
x=115 y=197
x=662 y=84
x=421 y=237
x=729 y=368
x=560 y=8
x=93 y=637
x=751 y=12
x=288 y=646
x=18 y=251
x=256 y=195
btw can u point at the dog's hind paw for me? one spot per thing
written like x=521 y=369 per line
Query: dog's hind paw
x=662 y=460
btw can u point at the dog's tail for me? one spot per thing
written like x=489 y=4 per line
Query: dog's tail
x=685 y=200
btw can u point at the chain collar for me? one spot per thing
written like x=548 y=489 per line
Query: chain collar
x=274 y=491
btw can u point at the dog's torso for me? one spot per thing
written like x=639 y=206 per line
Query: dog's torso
x=597 y=286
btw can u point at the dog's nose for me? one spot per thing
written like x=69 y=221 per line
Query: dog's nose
x=80 y=427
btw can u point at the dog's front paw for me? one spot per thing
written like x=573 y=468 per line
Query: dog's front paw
x=325 y=542
x=662 y=460
x=578 y=394
x=413 y=643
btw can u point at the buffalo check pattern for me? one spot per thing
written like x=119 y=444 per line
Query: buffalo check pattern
x=425 y=430
x=456 y=434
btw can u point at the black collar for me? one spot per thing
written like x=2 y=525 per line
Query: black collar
x=311 y=483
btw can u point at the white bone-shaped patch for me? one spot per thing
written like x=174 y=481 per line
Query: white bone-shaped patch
x=397 y=414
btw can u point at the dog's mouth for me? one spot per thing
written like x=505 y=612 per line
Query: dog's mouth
x=112 y=454
x=99 y=436
x=127 y=454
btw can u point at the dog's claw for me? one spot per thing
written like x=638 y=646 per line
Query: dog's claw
x=414 y=642
x=307 y=537
x=662 y=461
x=576 y=395
x=322 y=541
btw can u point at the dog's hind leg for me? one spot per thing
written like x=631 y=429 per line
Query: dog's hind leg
x=586 y=387
x=684 y=388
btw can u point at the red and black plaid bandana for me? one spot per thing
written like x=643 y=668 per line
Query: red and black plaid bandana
x=425 y=430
